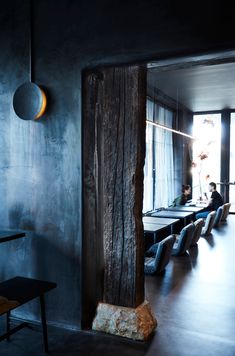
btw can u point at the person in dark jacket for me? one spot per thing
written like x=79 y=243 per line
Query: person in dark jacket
x=215 y=202
x=184 y=197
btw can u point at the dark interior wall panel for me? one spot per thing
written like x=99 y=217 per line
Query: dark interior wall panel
x=187 y=126
x=225 y=154
x=182 y=150
x=40 y=184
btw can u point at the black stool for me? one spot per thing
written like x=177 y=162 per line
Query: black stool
x=18 y=291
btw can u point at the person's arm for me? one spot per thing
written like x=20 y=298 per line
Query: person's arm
x=210 y=202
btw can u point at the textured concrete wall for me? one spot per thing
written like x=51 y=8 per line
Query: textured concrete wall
x=40 y=170
x=40 y=185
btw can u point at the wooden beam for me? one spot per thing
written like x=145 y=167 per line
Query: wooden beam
x=114 y=153
x=123 y=154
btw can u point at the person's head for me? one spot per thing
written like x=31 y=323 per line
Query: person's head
x=186 y=189
x=212 y=187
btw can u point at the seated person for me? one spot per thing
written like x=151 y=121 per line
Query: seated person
x=215 y=202
x=184 y=197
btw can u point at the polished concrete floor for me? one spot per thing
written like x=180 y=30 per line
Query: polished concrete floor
x=194 y=302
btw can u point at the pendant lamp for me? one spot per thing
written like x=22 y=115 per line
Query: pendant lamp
x=29 y=100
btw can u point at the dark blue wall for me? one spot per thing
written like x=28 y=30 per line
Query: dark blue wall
x=40 y=185
x=40 y=163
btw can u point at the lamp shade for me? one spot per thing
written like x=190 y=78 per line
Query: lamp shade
x=29 y=101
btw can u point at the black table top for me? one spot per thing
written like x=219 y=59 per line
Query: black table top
x=148 y=227
x=172 y=214
x=194 y=209
x=159 y=221
x=8 y=235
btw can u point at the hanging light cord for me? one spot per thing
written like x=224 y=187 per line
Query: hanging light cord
x=169 y=129
x=30 y=40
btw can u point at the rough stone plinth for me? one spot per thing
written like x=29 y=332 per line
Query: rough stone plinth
x=137 y=324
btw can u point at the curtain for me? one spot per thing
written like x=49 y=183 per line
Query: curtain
x=159 y=165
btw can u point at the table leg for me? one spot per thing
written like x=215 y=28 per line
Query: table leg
x=44 y=324
x=154 y=237
x=8 y=325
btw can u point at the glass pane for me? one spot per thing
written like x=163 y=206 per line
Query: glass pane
x=206 y=153
x=159 y=167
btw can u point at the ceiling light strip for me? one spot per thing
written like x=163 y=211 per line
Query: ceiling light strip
x=169 y=129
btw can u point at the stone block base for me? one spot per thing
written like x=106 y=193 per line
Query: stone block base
x=137 y=324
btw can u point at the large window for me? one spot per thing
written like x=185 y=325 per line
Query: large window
x=206 y=153
x=159 y=169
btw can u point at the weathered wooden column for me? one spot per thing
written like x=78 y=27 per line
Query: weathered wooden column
x=117 y=113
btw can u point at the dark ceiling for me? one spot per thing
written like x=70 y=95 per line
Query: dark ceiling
x=200 y=88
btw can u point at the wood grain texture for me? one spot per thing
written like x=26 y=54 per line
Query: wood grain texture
x=123 y=154
x=114 y=126
x=92 y=242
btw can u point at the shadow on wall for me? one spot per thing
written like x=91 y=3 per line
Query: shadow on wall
x=45 y=256
x=19 y=219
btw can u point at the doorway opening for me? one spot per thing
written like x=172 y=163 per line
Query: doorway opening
x=197 y=99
